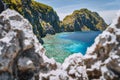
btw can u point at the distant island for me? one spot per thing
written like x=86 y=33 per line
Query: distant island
x=83 y=20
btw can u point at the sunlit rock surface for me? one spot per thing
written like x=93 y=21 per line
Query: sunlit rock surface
x=21 y=55
x=103 y=57
x=73 y=68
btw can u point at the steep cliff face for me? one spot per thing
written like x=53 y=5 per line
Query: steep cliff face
x=83 y=20
x=36 y=13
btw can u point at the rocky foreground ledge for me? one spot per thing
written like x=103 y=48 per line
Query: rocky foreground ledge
x=22 y=57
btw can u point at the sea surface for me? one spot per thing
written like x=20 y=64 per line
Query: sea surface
x=61 y=45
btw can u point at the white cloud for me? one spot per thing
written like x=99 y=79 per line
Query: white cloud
x=62 y=15
x=64 y=11
x=108 y=15
x=67 y=10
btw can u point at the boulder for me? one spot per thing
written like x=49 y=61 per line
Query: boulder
x=103 y=57
x=73 y=68
x=20 y=51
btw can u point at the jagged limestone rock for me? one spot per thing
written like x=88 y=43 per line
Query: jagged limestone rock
x=22 y=57
x=103 y=57
x=18 y=52
x=73 y=68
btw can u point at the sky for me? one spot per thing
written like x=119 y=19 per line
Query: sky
x=106 y=8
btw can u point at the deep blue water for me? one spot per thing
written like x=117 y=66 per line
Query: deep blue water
x=62 y=45
x=81 y=40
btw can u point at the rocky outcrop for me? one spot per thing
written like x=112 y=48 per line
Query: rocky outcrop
x=83 y=20
x=18 y=55
x=36 y=13
x=73 y=68
x=48 y=29
x=103 y=57
x=21 y=55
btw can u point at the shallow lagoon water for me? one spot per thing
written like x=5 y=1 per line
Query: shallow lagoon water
x=61 y=45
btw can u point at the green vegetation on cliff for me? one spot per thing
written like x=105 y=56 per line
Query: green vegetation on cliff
x=82 y=20
x=36 y=13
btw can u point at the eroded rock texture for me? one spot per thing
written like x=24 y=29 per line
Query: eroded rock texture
x=73 y=68
x=103 y=57
x=19 y=48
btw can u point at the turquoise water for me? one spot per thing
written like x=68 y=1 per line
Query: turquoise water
x=62 y=45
